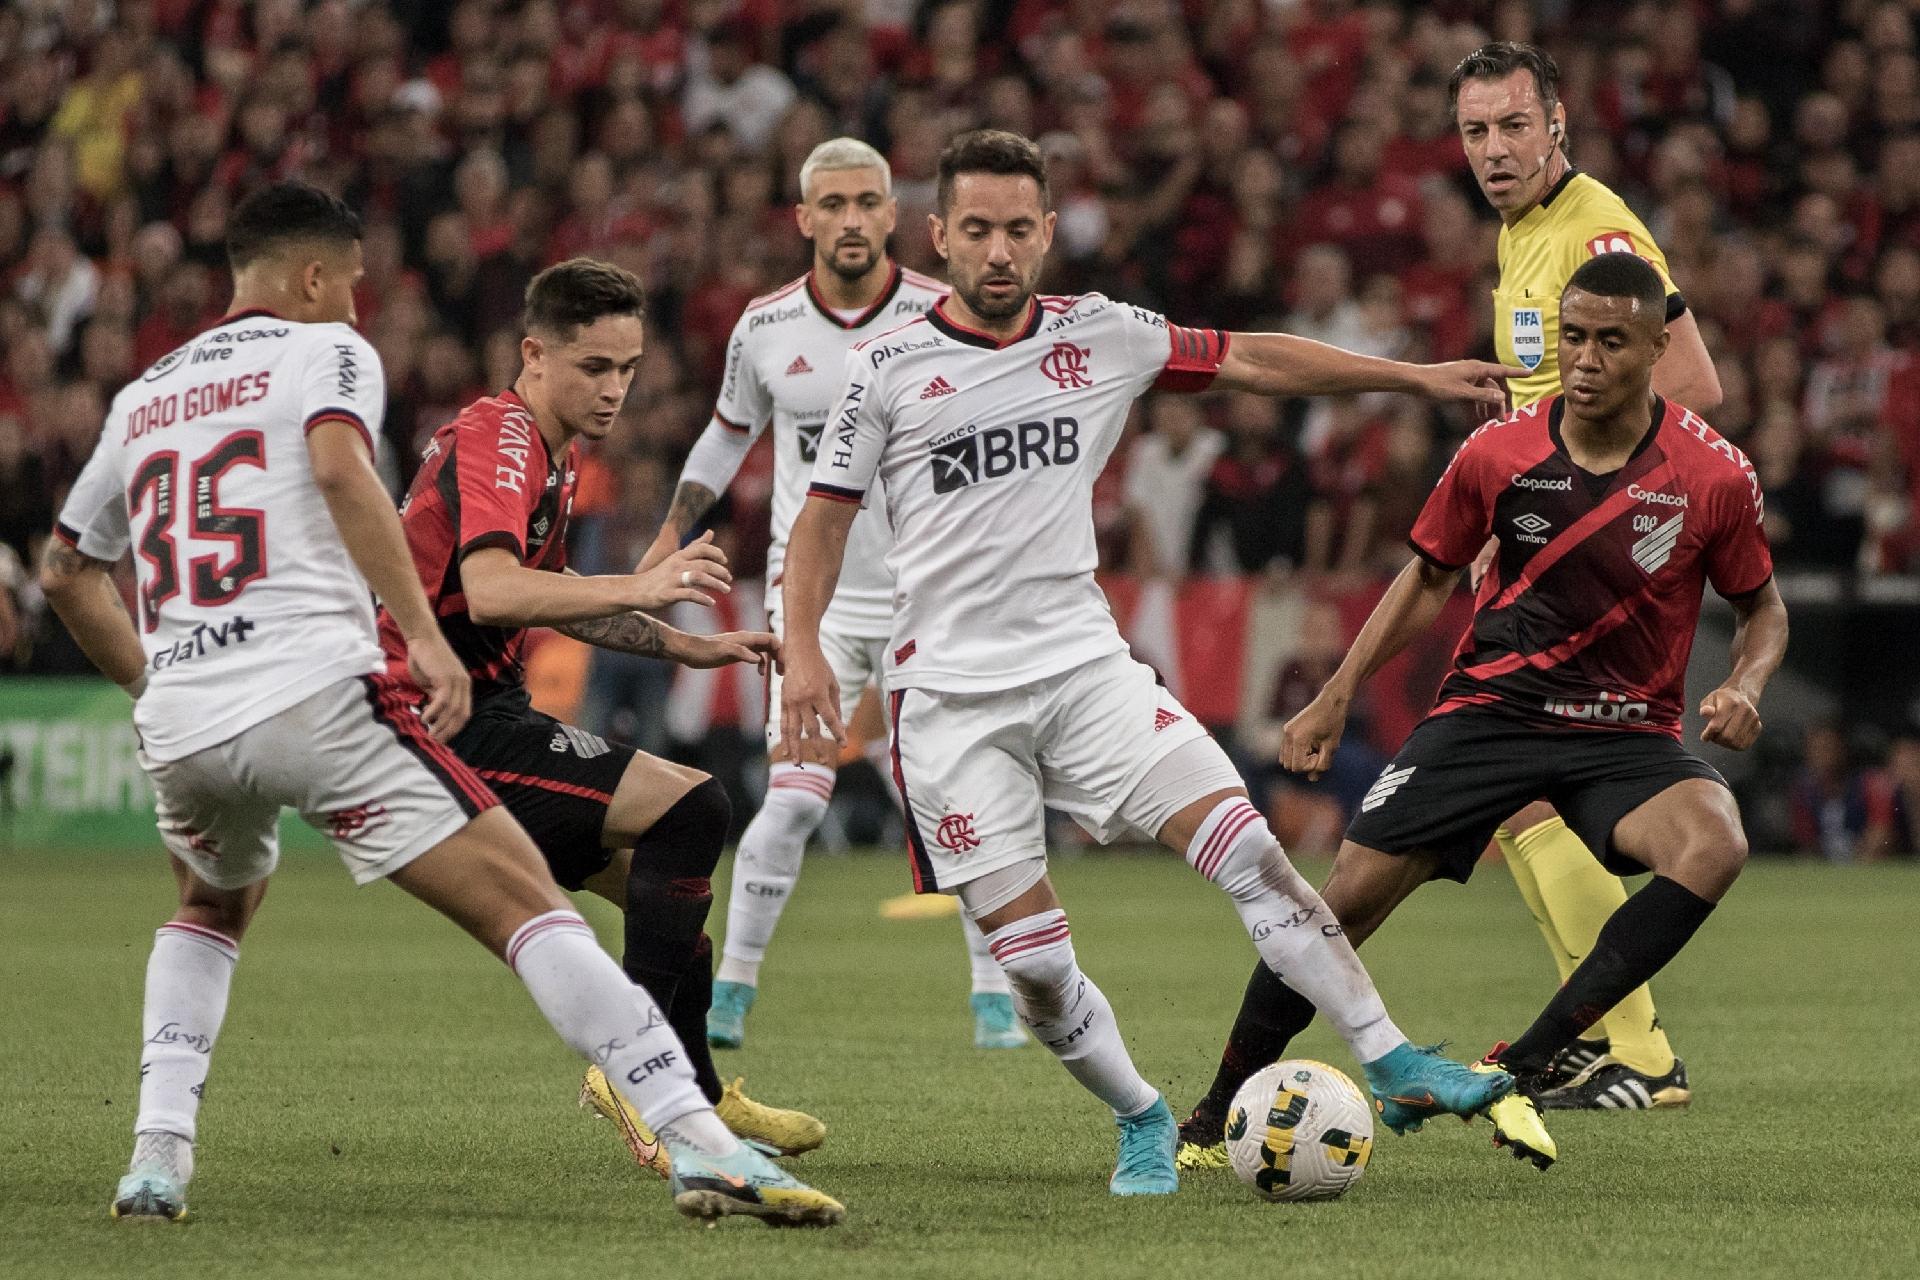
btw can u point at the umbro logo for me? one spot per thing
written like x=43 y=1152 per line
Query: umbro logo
x=799 y=366
x=937 y=388
x=1532 y=527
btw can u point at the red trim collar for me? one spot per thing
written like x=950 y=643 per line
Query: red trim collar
x=865 y=317
x=946 y=324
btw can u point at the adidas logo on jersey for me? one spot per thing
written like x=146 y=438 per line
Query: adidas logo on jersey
x=799 y=366
x=1162 y=718
x=937 y=388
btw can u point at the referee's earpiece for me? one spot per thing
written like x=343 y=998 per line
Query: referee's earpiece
x=1553 y=131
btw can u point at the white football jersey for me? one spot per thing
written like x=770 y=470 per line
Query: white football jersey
x=247 y=602
x=988 y=453
x=784 y=362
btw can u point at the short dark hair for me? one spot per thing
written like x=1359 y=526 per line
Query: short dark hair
x=1622 y=275
x=990 y=151
x=579 y=291
x=1500 y=59
x=283 y=213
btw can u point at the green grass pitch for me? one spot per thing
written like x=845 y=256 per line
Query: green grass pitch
x=385 y=1102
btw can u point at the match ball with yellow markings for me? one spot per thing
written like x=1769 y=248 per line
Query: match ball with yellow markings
x=1299 y=1130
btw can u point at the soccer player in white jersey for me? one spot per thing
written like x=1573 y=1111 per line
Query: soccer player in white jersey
x=984 y=423
x=783 y=365
x=239 y=468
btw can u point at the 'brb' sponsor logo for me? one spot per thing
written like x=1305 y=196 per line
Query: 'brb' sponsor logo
x=1662 y=499
x=1611 y=708
x=1563 y=485
x=1000 y=451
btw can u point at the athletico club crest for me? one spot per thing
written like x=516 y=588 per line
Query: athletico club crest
x=955 y=833
x=1066 y=364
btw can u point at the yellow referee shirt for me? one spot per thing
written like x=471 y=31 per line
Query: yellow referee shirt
x=1575 y=220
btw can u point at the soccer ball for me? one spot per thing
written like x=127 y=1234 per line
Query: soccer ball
x=1299 y=1130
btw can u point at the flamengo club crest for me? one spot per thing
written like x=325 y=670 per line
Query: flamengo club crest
x=1066 y=364
x=1529 y=336
x=955 y=833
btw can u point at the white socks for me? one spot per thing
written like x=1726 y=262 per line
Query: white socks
x=614 y=1024
x=768 y=864
x=1066 y=1011
x=1292 y=929
x=989 y=979
x=188 y=975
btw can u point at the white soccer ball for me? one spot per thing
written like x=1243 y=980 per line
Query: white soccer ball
x=1299 y=1130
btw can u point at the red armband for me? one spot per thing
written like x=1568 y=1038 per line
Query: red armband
x=1193 y=358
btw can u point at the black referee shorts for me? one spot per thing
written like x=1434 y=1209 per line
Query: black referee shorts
x=555 y=779
x=1460 y=775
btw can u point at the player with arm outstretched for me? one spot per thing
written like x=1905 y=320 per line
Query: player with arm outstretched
x=486 y=521
x=1010 y=685
x=1614 y=508
x=783 y=367
x=239 y=469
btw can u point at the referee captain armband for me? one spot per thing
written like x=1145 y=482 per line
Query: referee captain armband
x=1195 y=358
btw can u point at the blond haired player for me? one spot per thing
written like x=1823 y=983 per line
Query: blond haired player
x=783 y=367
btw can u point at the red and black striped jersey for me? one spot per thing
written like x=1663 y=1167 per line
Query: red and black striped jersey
x=485 y=480
x=1587 y=615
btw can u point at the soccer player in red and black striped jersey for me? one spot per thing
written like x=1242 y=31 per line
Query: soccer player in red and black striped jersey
x=1614 y=508
x=486 y=522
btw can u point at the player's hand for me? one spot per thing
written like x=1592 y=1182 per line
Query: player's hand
x=433 y=666
x=809 y=702
x=1732 y=720
x=1308 y=741
x=1474 y=382
x=684 y=576
x=759 y=648
x=1477 y=571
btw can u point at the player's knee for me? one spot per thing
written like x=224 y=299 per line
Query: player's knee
x=685 y=843
x=1711 y=858
x=1036 y=954
x=225 y=911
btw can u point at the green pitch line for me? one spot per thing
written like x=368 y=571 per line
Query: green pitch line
x=386 y=1103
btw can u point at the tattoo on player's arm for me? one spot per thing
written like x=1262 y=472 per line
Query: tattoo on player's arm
x=62 y=562
x=634 y=633
x=690 y=502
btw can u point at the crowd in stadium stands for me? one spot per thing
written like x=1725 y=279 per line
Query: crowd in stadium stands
x=1237 y=163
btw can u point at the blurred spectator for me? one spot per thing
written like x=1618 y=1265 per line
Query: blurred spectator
x=1893 y=816
x=1166 y=478
x=1253 y=509
x=1834 y=799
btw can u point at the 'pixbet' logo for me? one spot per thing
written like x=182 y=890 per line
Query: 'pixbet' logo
x=994 y=452
x=1066 y=364
x=1611 y=708
x=955 y=833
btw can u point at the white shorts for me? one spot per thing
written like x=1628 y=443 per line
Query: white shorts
x=977 y=769
x=354 y=759
x=856 y=662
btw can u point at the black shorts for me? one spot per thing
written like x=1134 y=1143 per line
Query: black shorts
x=1462 y=774
x=555 y=779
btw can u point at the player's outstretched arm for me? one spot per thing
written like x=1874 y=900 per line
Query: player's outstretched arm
x=1409 y=607
x=1279 y=364
x=370 y=529
x=82 y=593
x=1759 y=646
x=809 y=695
x=648 y=637
x=711 y=466
x=502 y=592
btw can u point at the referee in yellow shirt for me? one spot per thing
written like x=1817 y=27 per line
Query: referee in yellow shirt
x=1507 y=107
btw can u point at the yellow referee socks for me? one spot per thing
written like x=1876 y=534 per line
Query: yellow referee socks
x=1571 y=896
